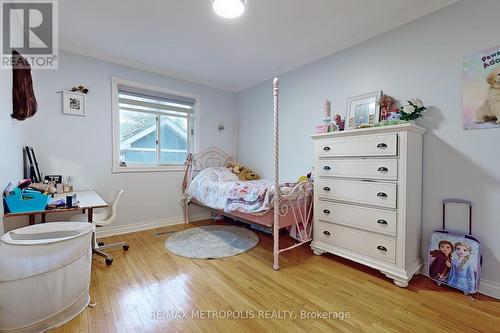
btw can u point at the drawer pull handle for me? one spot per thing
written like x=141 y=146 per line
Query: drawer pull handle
x=383 y=169
x=326 y=168
x=326 y=189
x=381 y=195
x=326 y=211
x=326 y=233
x=384 y=222
x=326 y=148
x=382 y=248
x=382 y=146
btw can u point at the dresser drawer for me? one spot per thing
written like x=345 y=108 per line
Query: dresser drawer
x=361 y=145
x=378 y=246
x=384 y=169
x=363 y=192
x=377 y=220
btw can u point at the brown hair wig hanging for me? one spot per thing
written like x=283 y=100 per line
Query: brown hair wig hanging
x=24 y=103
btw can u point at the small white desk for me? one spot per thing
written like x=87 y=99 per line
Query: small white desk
x=89 y=200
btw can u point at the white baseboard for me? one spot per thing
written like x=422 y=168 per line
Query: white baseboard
x=486 y=287
x=490 y=288
x=125 y=229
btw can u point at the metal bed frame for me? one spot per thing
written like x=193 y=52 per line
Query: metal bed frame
x=293 y=209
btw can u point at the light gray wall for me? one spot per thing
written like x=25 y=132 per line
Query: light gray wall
x=11 y=158
x=81 y=146
x=421 y=59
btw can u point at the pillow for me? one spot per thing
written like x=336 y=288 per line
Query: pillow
x=207 y=174
x=225 y=175
x=220 y=174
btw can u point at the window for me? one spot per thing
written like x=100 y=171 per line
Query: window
x=154 y=128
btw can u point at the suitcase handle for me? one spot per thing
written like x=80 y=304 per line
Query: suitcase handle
x=459 y=201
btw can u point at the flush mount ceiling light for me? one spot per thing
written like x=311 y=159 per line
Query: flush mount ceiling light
x=229 y=8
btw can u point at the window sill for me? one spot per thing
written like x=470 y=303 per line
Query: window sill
x=153 y=168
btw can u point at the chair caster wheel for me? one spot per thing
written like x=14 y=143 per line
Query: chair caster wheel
x=109 y=261
x=125 y=247
x=100 y=243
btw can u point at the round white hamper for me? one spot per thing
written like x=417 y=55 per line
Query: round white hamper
x=44 y=275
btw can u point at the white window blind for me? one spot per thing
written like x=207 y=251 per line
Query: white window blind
x=132 y=101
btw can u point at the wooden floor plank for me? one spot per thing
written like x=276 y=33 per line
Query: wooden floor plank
x=144 y=287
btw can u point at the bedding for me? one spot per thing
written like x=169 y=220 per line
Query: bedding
x=219 y=188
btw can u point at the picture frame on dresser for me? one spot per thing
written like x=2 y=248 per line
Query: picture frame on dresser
x=367 y=198
x=363 y=110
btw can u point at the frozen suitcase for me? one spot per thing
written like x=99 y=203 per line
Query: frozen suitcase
x=455 y=258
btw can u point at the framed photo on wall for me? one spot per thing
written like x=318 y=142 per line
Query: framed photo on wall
x=363 y=110
x=73 y=103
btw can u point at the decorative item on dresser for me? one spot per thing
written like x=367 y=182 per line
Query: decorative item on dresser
x=367 y=197
x=364 y=110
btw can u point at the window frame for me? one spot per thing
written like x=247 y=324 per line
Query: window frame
x=116 y=167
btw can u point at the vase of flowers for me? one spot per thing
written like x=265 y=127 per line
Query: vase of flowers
x=413 y=110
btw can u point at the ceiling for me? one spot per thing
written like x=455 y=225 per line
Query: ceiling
x=185 y=39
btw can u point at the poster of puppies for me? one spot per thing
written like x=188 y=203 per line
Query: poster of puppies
x=481 y=89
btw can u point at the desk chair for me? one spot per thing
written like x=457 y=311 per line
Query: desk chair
x=101 y=219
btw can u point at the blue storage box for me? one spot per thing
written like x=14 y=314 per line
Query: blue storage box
x=26 y=201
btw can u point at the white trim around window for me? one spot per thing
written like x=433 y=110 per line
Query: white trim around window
x=115 y=84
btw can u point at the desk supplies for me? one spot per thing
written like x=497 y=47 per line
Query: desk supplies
x=24 y=183
x=9 y=189
x=31 y=171
x=68 y=185
x=44 y=188
x=64 y=203
x=87 y=201
x=71 y=200
x=21 y=201
x=53 y=178
x=58 y=204
x=57 y=180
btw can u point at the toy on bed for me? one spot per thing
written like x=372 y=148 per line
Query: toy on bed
x=242 y=172
x=306 y=178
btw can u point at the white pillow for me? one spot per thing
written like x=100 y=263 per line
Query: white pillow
x=225 y=175
x=220 y=174
x=207 y=174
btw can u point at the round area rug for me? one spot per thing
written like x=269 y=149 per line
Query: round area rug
x=210 y=242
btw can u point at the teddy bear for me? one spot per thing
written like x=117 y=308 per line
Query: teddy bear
x=246 y=174
x=234 y=167
x=242 y=172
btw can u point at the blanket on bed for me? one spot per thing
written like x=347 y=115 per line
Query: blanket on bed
x=249 y=196
x=215 y=188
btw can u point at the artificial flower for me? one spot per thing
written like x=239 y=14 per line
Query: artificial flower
x=408 y=108
x=417 y=102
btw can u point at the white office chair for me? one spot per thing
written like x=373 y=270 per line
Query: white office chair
x=101 y=219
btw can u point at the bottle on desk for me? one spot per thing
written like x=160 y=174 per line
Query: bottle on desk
x=68 y=185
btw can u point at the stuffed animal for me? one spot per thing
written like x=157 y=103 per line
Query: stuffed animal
x=303 y=179
x=307 y=178
x=246 y=174
x=242 y=172
x=234 y=167
x=80 y=89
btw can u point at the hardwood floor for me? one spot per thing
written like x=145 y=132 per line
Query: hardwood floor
x=136 y=293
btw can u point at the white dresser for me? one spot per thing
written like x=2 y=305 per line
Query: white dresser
x=367 y=198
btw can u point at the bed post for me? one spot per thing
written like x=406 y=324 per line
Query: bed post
x=276 y=217
x=185 y=184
